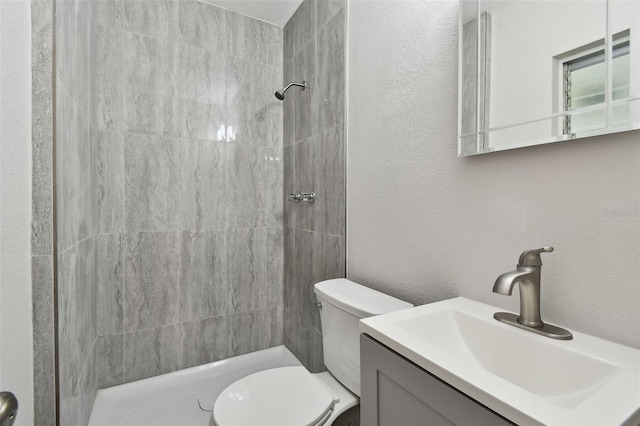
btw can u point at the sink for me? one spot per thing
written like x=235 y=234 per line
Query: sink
x=525 y=377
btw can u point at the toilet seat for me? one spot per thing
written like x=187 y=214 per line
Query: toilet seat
x=287 y=396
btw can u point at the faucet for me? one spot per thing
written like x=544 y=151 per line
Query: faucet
x=527 y=276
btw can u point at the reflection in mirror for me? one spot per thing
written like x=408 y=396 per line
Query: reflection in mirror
x=534 y=72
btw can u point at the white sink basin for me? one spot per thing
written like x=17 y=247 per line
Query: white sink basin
x=523 y=376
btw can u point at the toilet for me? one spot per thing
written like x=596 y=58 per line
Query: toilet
x=292 y=396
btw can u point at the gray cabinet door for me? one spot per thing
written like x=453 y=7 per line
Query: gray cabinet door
x=396 y=392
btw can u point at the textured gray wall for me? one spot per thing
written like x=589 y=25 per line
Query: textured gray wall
x=314 y=161
x=425 y=225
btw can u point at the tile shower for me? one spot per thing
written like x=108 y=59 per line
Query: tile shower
x=174 y=245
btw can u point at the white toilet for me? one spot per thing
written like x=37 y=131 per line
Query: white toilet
x=292 y=396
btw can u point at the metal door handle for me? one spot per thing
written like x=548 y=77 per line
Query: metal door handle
x=8 y=408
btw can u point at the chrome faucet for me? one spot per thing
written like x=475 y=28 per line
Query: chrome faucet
x=527 y=276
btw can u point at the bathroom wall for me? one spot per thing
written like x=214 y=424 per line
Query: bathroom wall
x=188 y=140
x=16 y=342
x=314 y=161
x=425 y=225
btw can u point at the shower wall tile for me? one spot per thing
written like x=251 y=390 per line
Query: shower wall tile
x=203 y=341
x=107 y=13
x=309 y=154
x=288 y=40
x=255 y=330
x=333 y=181
x=80 y=88
x=274 y=202
x=151 y=275
x=274 y=108
x=106 y=91
x=246 y=106
x=327 y=9
x=273 y=37
x=110 y=283
x=246 y=188
x=110 y=360
x=289 y=186
x=310 y=254
x=202 y=75
x=305 y=24
x=154 y=18
x=66 y=36
x=331 y=74
x=154 y=173
x=41 y=163
x=289 y=106
x=110 y=181
x=275 y=266
x=291 y=294
x=305 y=100
x=87 y=387
x=335 y=256
x=205 y=195
x=41 y=35
x=247 y=269
x=246 y=38
x=74 y=201
x=203 y=25
x=203 y=284
x=43 y=340
x=151 y=352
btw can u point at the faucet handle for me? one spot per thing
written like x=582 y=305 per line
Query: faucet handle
x=532 y=257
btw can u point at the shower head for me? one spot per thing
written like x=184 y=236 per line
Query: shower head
x=280 y=93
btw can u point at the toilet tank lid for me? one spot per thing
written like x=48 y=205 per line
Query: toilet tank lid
x=357 y=299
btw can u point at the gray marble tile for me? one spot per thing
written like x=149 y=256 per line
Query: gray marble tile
x=74 y=201
x=66 y=31
x=41 y=174
x=154 y=18
x=246 y=187
x=203 y=25
x=110 y=181
x=327 y=9
x=331 y=74
x=274 y=44
x=43 y=345
x=198 y=120
x=246 y=38
x=154 y=175
x=239 y=333
x=267 y=328
x=203 y=284
x=274 y=184
x=105 y=12
x=87 y=386
x=305 y=70
x=247 y=285
x=151 y=352
x=110 y=361
x=80 y=89
x=41 y=35
x=305 y=24
x=289 y=106
x=315 y=357
x=288 y=41
x=203 y=341
x=201 y=75
x=149 y=79
x=152 y=279
x=289 y=186
x=334 y=257
x=246 y=102
x=107 y=109
x=309 y=269
x=86 y=297
x=332 y=181
x=274 y=108
x=292 y=326
x=110 y=283
x=69 y=409
x=275 y=266
x=292 y=294
x=204 y=206
x=308 y=165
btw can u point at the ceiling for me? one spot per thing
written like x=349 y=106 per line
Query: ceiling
x=276 y=12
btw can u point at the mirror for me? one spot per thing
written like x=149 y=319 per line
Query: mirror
x=539 y=71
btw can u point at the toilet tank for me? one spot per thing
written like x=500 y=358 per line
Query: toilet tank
x=343 y=304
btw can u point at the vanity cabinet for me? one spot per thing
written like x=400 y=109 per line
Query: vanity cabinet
x=396 y=392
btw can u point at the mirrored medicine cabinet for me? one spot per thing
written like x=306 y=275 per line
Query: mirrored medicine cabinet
x=533 y=72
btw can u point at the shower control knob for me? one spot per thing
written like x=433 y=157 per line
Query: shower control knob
x=309 y=197
x=295 y=197
x=8 y=408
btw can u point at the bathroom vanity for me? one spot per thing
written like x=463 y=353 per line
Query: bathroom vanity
x=451 y=362
x=397 y=392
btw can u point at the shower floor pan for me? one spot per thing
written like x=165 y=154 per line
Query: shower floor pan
x=181 y=397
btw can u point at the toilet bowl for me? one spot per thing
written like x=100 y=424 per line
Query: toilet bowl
x=292 y=396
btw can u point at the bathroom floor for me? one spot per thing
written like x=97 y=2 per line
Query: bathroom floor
x=175 y=398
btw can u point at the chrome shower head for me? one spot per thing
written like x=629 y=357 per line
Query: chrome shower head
x=280 y=93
